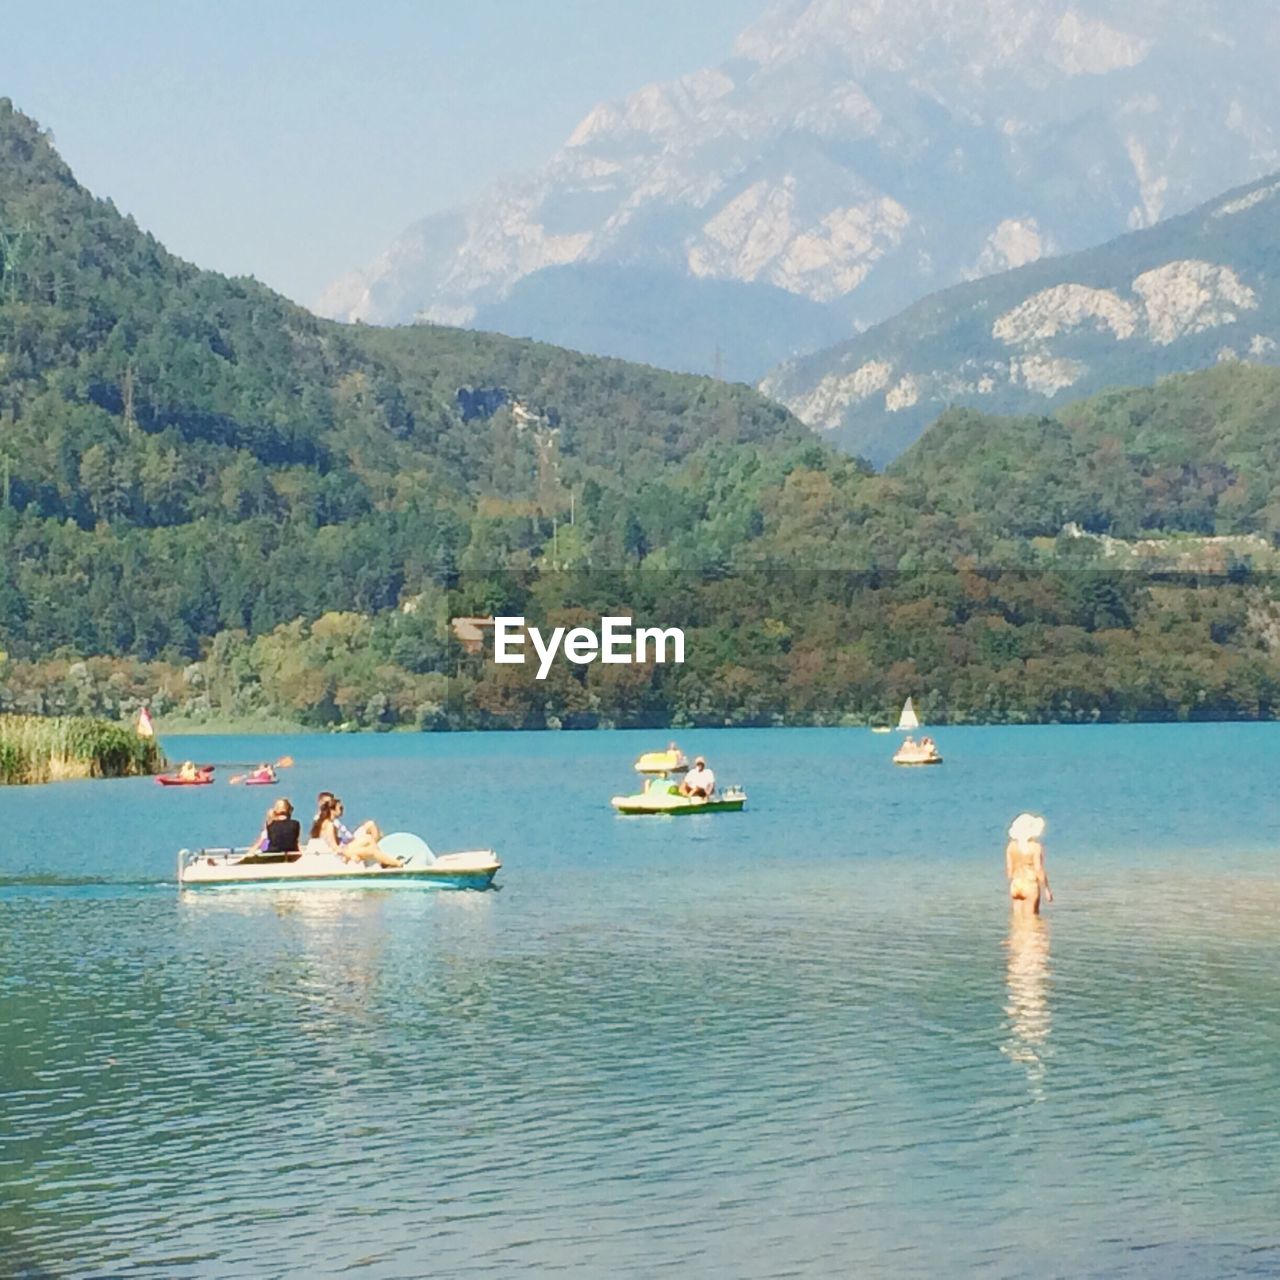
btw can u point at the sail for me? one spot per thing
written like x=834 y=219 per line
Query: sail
x=144 y=724
x=908 y=719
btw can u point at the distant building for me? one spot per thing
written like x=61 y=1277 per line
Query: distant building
x=470 y=632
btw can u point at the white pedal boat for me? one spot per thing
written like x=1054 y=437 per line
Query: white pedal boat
x=918 y=753
x=468 y=869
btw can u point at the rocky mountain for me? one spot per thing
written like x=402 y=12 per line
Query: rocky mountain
x=848 y=158
x=1192 y=292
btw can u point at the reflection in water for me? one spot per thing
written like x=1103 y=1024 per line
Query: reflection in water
x=336 y=963
x=1026 y=979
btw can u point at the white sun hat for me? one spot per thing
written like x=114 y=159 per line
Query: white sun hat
x=1026 y=826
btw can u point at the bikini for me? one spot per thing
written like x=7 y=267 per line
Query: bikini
x=1024 y=882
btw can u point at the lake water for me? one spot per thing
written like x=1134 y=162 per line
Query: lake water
x=799 y=1041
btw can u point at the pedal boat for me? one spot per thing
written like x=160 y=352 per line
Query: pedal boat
x=662 y=795
x=917 y=753
x=659 y=798
x=469 y=869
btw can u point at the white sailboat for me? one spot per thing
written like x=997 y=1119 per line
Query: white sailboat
x=908 y=720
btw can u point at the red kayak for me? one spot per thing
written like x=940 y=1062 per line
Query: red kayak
x=202 y=779
x=260 y=782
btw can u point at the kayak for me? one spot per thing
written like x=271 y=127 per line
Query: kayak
x=172 y=780
x=468 y=869
x=260 y=782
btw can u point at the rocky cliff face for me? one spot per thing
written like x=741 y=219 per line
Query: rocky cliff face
x=1191 y=292
x=858 y=154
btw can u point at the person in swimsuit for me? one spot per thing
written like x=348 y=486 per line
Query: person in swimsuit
x=1024 y=864
x=328 y=834
x=323 y=834
x=364 y=846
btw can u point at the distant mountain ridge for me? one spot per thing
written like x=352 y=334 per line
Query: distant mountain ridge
x=1183 y=295
x=856 y=155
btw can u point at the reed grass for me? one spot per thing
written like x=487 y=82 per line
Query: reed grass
x=55 y=748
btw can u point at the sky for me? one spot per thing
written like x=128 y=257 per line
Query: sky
x=292 y=140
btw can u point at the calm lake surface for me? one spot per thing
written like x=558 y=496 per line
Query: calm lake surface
x=799 y=1041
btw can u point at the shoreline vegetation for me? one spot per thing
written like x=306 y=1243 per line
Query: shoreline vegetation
x=763 y=649
x=59 y=748
x=232 y=726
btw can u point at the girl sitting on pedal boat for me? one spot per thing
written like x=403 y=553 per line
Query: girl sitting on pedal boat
x=361 y=845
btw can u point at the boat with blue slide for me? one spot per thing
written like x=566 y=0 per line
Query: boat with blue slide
x=466 y=869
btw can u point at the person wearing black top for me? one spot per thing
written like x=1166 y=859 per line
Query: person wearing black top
x=283 y=832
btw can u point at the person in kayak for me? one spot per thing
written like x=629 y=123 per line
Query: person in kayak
x=1024 y=864
x=699 y=782
x=282 y=832
x=187 y=771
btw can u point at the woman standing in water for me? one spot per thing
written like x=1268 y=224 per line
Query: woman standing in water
x=1024 y=864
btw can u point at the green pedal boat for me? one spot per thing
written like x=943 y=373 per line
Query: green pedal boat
x=662 y=795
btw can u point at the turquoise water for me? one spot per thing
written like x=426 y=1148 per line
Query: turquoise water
x=799 y=1041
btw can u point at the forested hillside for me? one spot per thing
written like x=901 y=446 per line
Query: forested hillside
x=212 y=502
x=1198 y=453
x=181 y=453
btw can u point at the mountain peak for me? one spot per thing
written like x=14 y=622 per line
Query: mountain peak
x=27 y=153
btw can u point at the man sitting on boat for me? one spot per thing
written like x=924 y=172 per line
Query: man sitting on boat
x=699 y=782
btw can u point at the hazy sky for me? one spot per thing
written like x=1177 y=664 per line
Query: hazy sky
x=292 y=139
